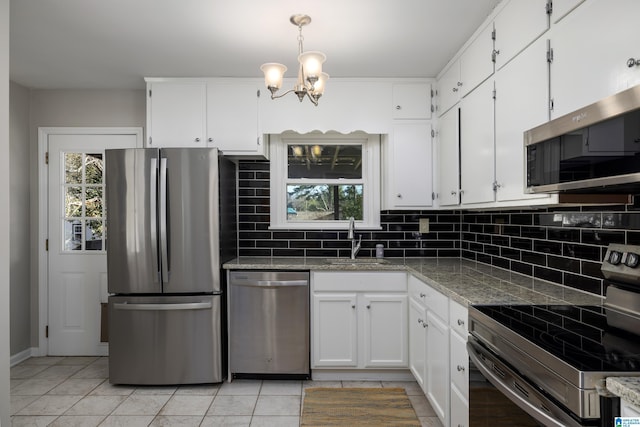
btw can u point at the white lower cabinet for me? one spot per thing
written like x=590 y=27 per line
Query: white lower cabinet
x=429 y=344
x=458 y=365
x=359 y=320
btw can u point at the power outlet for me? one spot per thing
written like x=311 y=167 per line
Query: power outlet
x=424 y=225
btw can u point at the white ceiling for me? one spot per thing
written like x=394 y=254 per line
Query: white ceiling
x=69 y=44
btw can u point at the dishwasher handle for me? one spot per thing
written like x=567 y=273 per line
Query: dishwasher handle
x=271 y=283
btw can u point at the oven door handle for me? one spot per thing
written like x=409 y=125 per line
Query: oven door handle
x=537 y=413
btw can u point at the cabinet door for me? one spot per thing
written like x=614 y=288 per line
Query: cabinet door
x=232 y=117
x=437 y=375
x=417 y=340
x=449 y=159
x=519 y=106
x=516 y=26
x=477 y=171
x=411 y=101
x=176 y=114
x=459 y=409
x=449 y=88
x=385 y=330
x=476 y=64
x=591 y=47
x=459 y=364
x=409 y=172
x=563 y=7
x=335 y=330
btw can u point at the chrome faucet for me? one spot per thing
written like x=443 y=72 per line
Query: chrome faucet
x=355 y=247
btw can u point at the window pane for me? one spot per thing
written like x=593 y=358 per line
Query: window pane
x=72 y=235
x=93 y=201
x=73 y=201
x=93 y=168
x=324 y=161
x=324 y=202
x=73 y=168
x=93 y=236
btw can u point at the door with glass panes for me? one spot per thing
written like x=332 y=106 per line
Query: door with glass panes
x=77 y=267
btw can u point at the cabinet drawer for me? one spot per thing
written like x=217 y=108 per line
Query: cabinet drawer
x=360 y=281
x=458 y=318
x=432 y=299
x=459 y=364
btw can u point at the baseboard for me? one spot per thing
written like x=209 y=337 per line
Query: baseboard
x=23 y=355
x=361 y=375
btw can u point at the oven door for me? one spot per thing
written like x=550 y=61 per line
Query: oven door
x=500 y=397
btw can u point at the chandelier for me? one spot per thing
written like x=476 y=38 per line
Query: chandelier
x=311 y=80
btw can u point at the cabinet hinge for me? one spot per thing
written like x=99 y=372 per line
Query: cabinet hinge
x=493 y=94
x=46 y=245
x=433 y=108
x=549 y=54
x=493 y=34
x=258 y=93
x=149 y=93
x=150 y=141
x=46 y=158
x=433 y=133
x=433 y=195
x=551 y=104
x=432 y=93
x=549 y=7
x=46 y=331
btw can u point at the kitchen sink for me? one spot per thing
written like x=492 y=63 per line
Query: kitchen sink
x=357 y=261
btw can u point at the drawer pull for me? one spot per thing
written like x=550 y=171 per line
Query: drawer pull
x=460 y=368
x=460 y=322
x=422 y=295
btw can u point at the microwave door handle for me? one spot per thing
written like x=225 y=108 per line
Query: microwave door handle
x=153 y=206
x=164 y=246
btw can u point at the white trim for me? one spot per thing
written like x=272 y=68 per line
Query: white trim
x=23 y=355
x=43 y=204
x=371 y=146
x=361 y=375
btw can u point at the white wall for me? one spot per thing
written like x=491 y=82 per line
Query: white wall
x=20 y=267
x=72 y=108
x=4 y=213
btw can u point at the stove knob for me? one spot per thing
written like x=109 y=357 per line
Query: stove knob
x=632 y=260
x=615 y=257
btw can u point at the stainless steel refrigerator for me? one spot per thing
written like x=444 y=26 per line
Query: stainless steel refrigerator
x=170 y=226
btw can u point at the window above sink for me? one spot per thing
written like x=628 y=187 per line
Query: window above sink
x=319 y=181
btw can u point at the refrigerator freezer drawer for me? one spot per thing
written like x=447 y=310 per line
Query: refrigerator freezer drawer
x=165 y=340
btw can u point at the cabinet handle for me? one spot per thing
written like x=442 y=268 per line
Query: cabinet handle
x=424 y=324
x=399 y=196
x=210 y=139
x=422 y=295
x=368 y=306
x=459 y=84
x=453 y=193
x=455 y=89
x=353 y=306
x=632 y=62
x=460 y=368
x=197 y=139
x=398 y=107
x=420 y=321
x=460 y=322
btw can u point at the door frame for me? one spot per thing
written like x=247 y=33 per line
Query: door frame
x=43 y=215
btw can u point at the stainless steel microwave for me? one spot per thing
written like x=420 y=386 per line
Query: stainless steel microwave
x=595 y=149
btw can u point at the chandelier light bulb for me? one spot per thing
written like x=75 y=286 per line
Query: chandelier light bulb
x=273 y=75
x=312 y=63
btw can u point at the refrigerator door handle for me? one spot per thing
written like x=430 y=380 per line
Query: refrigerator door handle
x=153 y=206
x=163 y=307
x=164 y=246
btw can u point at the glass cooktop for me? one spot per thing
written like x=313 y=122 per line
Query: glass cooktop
x=582 y=336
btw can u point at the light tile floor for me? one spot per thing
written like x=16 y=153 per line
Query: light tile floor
x=74 y=391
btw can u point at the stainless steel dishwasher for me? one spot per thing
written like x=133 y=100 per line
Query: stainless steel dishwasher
x=269 y=324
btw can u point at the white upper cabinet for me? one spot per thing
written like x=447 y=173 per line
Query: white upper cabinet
x=411 y=101
x=477 y=161
x=408 y=168
x=560 y=9
x=591 y=47
x=448 y=166
x=521 y=103
x=176 y=114
x=476 y=63
x=232 y=117
x=449 y=88
x=516 y=26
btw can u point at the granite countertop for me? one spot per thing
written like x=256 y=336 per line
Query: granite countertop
x=466 y=282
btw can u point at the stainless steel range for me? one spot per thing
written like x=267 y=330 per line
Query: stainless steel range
x=552 y=360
